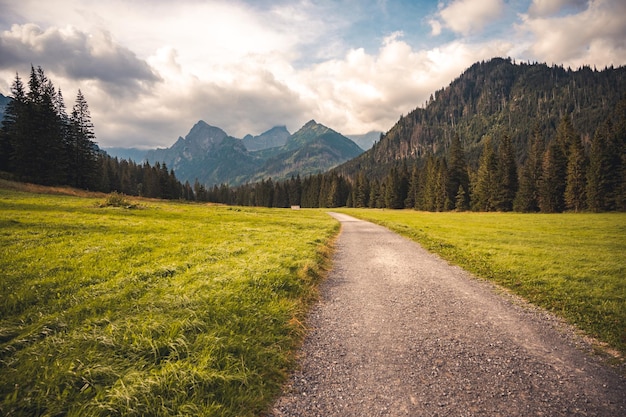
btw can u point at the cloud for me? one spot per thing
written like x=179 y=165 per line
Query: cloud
x=70 y=53
x=544 y=8
x=469 y=16
x=151 y=69
x=593 y=36
x=435 y=27
x=362 y=91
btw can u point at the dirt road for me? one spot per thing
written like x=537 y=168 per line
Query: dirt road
x=399 y=332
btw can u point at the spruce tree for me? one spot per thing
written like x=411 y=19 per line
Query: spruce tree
x=604 y=173
x=527 y=197
x=485 y=189
x=393 y=191
x=457 y=172
x=506 y=176
x=576 y=177
x=413 y=191
x=82 y=147
x=552 y=184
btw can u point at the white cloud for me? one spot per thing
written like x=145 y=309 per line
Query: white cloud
x=470 y=16
x=435 y=27
x=594 y=36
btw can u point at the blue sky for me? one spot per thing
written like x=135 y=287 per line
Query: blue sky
x=151 y=68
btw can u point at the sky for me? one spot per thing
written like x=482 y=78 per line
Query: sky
x=150 y=69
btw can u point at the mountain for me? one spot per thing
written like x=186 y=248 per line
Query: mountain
x=367 y=140
x=208 y=154
x=133 y=154
x=493 y=99
x=4 y=100
x=212 y=157
x=273 y=138
x=314 y=148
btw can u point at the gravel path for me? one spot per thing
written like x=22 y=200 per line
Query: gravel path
x=399 y=332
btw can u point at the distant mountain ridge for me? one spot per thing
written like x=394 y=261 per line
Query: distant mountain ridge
x=367 y=140
x=273 y=138
x=208 y=154
x=4 y=100
x=314 y=148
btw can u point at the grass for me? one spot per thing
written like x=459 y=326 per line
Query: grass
x=163 y=309
x=571 y=264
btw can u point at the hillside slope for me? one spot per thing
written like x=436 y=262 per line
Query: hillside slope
x=493 y=99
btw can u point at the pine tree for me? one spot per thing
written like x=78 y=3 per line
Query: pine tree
x=485 y=189
x=605 y=172
x=413 y=191
x=362 y=191
x=374 y=193
x=393 y=191
x=576 y=173
x=82 y=148
x=552 y=184
x=506 y=176
x=461 y=202
x=527 y=197
x=566 y=135
x=457 y=172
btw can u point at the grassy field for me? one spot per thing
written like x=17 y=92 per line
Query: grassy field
x=571 y=264
x=164 y=309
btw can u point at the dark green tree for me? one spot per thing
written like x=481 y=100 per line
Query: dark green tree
x=485 y=189
x=83 y=149
x=605 y=172
x=527 y=197
x=552 y=184
x=575 y=198
x=457 y=172
x=506 y=176
x=413 y=191
x=361 y=191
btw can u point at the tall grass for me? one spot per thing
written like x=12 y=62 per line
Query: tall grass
x=571 y=264
x=164 y=309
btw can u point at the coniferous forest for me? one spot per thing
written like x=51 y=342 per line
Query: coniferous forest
x=43 y=144
x=502 y=137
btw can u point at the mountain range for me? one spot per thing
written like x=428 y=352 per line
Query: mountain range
x=208 y=154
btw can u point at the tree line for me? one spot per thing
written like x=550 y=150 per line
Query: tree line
x=43 y=144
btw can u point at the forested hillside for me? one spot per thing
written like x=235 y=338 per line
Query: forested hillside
x=494 y=99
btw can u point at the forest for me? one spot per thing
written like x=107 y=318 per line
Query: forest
x=43 y=144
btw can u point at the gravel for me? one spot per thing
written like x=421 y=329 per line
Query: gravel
x=399 y=332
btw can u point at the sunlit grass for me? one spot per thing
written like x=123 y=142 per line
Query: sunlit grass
x=163 y=309
x=571 y=264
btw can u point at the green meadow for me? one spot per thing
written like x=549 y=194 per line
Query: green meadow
x=151 y=308
x=117 y=307
x=571 y=264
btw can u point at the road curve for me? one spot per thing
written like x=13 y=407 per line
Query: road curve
x=399 y=332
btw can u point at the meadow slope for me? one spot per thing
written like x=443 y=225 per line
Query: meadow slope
x=162 y=309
